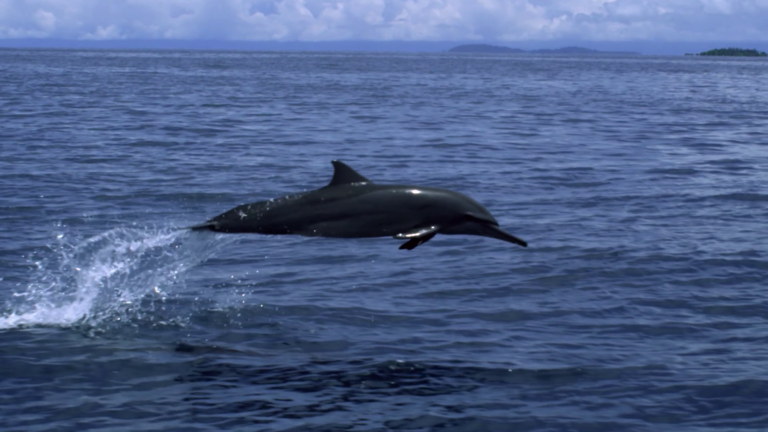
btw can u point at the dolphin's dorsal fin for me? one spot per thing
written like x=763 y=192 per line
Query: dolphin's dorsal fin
x=343 y=174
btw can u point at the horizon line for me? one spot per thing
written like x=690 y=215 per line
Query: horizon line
x=639 y=46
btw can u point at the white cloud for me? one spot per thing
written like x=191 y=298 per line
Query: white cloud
x=386 y=19
x=104 y=33
x=45 y=20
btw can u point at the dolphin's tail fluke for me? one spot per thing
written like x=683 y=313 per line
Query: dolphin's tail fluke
x=207 y=226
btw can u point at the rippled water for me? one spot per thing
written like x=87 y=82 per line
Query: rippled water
x=640 y=183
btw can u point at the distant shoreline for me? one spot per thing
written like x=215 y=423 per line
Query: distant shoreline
x=485 y=48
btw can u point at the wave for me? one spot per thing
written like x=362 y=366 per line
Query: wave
x=104 y=278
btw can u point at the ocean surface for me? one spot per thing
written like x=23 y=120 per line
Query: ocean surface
x=640 y=183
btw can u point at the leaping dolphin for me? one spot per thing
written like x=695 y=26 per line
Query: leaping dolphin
x=351 y=206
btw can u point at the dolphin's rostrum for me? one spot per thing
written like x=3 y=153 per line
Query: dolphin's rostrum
x=351 y=206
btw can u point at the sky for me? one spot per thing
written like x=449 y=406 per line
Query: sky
x=387 y=20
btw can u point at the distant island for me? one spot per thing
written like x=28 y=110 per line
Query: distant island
x=484 y=48
x=733 y=52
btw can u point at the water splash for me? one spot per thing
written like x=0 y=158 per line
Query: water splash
x=104 y=278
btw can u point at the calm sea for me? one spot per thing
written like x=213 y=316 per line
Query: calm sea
x=640 y=183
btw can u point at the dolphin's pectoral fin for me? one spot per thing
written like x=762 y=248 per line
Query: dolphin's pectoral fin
x=412 y=243
x=418 y=232
x=417 y=236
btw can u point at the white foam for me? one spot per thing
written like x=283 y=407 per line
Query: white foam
x=104 y=277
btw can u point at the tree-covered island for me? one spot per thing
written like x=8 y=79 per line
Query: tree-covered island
x=733 y=52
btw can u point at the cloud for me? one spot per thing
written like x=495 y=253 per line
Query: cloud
x=317 y=20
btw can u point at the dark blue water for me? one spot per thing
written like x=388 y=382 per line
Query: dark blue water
x=640 y=183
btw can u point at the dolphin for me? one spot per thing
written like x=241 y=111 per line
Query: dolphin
x=351 y=206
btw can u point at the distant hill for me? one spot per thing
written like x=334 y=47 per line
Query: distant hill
x=484 y=48
x=734 y=52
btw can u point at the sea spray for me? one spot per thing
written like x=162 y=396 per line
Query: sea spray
x=103 y=279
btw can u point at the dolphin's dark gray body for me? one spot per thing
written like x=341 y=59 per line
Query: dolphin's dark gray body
x=351 y=206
